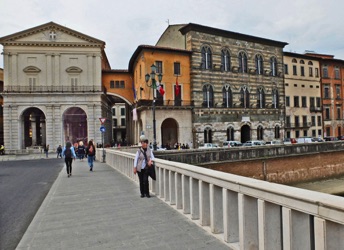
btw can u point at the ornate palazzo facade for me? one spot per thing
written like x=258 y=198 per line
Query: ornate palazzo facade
x=52 y=87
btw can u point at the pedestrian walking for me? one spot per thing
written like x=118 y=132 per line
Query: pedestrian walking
x=90 y=153
x=81 y=151
x=69 y=154
x=46 y=150
x=143 y=160
x=59 y=151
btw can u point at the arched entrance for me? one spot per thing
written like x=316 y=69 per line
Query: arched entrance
x=33 y=129
x=75 y=125
x=169 y=132
x=245 y=133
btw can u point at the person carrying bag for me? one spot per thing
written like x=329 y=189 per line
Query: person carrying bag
x=143 y=162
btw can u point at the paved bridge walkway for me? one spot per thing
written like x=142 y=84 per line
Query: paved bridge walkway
x=103 y=210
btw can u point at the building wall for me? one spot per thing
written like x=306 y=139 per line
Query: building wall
x=298 y=86
x=66 y=76
x=146 y=56
x=218 y=118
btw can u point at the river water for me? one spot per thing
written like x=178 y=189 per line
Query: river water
x=330 y=186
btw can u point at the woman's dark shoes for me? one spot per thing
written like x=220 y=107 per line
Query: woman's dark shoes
x=142 y=195
x=148 y=196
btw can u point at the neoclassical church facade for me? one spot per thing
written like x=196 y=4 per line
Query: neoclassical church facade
x=52 y=89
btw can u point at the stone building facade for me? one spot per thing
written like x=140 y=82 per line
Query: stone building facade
x=237 y=83
x=52 y=87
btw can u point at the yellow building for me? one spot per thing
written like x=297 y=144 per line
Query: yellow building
x=302 y=96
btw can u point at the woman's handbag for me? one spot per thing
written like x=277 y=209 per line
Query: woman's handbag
x=151 y=171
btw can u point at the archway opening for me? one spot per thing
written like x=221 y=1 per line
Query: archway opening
x=33 y=129
x=75 y=125
x=169 y=133
x=245 y=133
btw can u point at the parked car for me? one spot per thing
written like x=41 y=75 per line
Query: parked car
x=305 y=139
x=275 y=142
x=208 y=145
x=289 y=141
x=230 y=144
x=330 y=138
x=254 y=143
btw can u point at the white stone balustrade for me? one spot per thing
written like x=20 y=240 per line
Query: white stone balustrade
x=245 y=213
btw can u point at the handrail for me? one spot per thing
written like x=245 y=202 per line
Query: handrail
x=245 y=212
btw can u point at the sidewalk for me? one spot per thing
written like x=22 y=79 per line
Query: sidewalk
x=103 y=210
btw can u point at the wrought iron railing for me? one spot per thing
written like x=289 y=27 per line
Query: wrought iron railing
x=56 y=89
x=167 y=103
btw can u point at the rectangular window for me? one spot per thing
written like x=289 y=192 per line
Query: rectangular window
x=296 y=101
x=325 y=72
x=114 y=122
x=338 y=91
x=336 y=73
x=32 y=83
x=114 y=112
x=310 y=71
x=119 y=84
x=318 y=102
x=313 y=120
x=122 y=111
x=319 y=120
x=304 y=121
x=176 y=68
x=297 y=121
x=158 y=65
x=112 y=84
x=316 y=72
x=294 y=70
x=304 y=101
x=314 y=133
x=297 y=133
x=286 y=69
x=312 y=102
x=122 y=121
x=287 y=101
x=326 y=91
x=327 y=113
x=302 y=71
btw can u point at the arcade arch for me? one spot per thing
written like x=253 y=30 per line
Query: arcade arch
x=75 y=125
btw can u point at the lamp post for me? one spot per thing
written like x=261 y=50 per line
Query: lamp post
x=153 y=86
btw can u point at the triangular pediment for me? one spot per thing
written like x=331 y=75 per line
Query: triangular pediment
x=51 y=34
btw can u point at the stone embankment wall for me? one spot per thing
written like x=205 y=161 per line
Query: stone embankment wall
x=286 y=164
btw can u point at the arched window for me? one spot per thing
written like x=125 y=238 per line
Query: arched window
x=230 y=134
x=208 y=135
x=302 y=62
x=244 y=97
x=294 y=60
x=277 y=132
x=275 y=99
x=206 y=57
x=242 y=62
x=225 y=60
x=227 y=99
x=259 y=64
x=273 y=66
x=260 y=133
x=260 y=98
x=310 y=63
x=208 y=96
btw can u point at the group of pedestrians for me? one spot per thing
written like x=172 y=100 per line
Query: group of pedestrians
x=69 y=154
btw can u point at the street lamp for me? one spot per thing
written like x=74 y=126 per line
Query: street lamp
x=153 y=86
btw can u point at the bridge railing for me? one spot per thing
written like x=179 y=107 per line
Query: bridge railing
x=245 y=213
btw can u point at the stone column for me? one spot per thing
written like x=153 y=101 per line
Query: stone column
x=90 y=70
x=57 y=70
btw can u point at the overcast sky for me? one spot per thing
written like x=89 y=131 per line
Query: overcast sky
x=315 y=25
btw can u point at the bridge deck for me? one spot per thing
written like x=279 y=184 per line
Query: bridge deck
x=103 y=210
